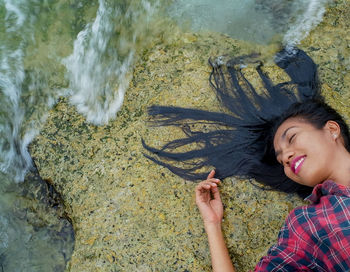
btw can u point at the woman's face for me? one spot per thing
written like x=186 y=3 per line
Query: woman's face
x=306 y=152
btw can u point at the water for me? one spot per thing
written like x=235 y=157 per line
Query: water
x=100 y=67
x=31 y=79
x=33 y=235
x=259 y=21
x=86 y=50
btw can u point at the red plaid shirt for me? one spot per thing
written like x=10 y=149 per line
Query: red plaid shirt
x=314 y=237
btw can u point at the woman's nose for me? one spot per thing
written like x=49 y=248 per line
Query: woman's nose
x=287 y=156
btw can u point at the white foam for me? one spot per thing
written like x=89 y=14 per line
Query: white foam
x=308 y=19
x=98 y=73
x=15 y=137
x=13 y=11
x=11 y=78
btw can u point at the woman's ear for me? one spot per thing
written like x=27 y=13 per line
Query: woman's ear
x=333 y=128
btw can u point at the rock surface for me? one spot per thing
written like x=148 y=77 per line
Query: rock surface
x=132 y=215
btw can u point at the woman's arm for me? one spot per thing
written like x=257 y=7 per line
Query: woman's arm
x=220 y=258
x=210 y=206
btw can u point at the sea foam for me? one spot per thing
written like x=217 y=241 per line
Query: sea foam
x=100 y=68
x=308 y=19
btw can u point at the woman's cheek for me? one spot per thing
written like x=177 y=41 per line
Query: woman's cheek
x=289 y=173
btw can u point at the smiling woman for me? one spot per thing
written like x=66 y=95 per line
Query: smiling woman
x=312 y=143
x=288 y=139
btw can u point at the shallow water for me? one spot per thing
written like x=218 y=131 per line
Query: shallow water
x=259 y=21
x=34 y=235
x=86 y=50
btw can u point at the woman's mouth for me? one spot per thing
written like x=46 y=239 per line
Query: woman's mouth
x=297 y=163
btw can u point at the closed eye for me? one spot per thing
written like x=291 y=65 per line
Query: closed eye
x=291 y=138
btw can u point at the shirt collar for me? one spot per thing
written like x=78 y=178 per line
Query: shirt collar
x=328 y=187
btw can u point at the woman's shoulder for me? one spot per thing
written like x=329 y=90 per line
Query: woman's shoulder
x=328 y=190
x=298 y=221
x=328 y=217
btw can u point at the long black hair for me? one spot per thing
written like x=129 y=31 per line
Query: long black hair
x=241 y=143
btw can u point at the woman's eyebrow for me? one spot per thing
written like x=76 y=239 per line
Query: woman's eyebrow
x=285 y=132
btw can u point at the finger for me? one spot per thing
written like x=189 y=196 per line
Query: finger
x=215 y=193
x=203 y=193
x=202 y=183
x=211 y=174
x=202 y=187
x=214 y=180
x=208 y=183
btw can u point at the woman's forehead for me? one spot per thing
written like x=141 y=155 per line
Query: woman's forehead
x=293 y=121
x=290 y=123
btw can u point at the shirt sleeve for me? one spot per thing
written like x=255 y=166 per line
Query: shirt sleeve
x=289 y=252
x=282 y=258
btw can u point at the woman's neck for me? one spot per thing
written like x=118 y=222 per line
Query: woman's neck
x=341 y=168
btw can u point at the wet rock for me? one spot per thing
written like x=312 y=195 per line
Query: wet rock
x=34 y=223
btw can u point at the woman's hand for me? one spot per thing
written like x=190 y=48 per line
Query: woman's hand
x=208 y=200
x=210 y=206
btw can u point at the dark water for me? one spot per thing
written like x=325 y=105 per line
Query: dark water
x=35 y=234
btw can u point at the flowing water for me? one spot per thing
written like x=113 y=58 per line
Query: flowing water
x=85 y=50
x=259 y=21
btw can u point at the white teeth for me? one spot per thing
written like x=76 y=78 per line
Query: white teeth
x=298 y=162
